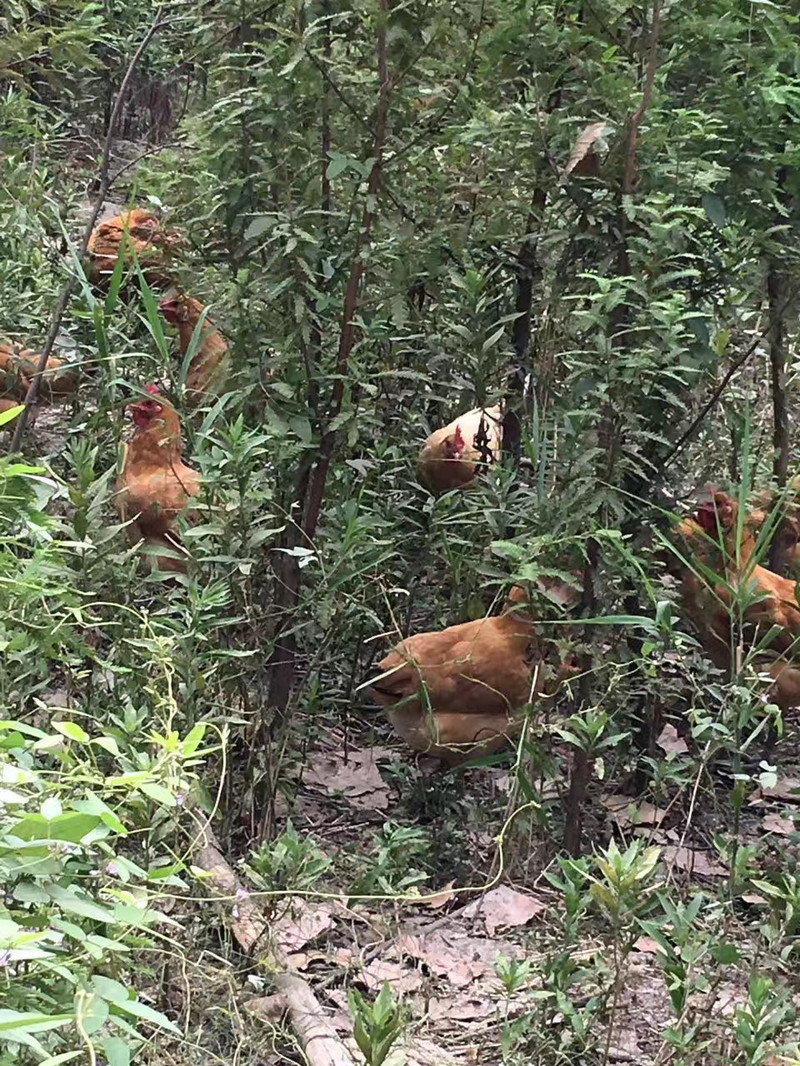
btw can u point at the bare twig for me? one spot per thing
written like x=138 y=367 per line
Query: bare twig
x=629 y=180
x=104 y=184
x=318 y=1039
x=712 y=401
x=353 y=291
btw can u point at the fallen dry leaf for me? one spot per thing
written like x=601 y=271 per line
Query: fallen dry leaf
x=752 y=897
x=299 y=960
x=438 y=899
x=399 y=977
x=670 y=742
x=301 y=923
x=697 y=862
x=464 y=1008
x=583 y=148
x=504 y=908
x=776 y=823
x=786 y=788
x=502 y=780
x=358 y=778
x=624 y=1047
x=625 y=812
x=728 y=999
x=647 y=945
x=271 y=1008
x=419 y=1052
x=461 y=959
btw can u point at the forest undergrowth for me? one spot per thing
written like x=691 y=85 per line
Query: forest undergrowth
x=212 y=841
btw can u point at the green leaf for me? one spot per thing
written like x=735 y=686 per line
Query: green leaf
x=338 y=164
x=65 y=1056
x=147 y=1014
x=70 y=902
x=193 y=738
x=108 y=744
x=116 y=1051
x=51 y=808
x=714 y=209
x=28 y=1022
x=71 y=730
x=72 y=826
x=725 y=954
x=158 y=793
x=11 y=414
x=109 y=989
x=93 y=1011
x=258 y=227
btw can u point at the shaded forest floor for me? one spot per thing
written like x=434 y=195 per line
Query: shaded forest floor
x=488 y=911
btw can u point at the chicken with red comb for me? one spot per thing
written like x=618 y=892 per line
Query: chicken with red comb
x=450 y=457
x=728 y=597
x=155 y=486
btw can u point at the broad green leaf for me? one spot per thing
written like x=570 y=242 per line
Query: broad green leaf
x=72 y=826
x=116 y=1051
x=29 y=1022
x=714 y=209
x=71 y=730
x=110 y=989
x=11 y=414
x=147 y=1014
x=93 y=1010
x=158 y=793
x=51 y=808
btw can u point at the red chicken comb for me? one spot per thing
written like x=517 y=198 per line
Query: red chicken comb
x=719 y=510
x=458 y=440
x=152 y=389
x=706 y=517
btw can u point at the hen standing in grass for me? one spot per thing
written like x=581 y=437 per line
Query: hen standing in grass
x=211 y=360
x=456 y=693
x=155 y=485
x=721 y=560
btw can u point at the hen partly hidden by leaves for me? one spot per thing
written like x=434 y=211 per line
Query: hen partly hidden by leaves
x=18 y=367
x=722 y=566
x=211 y=361
x=450 y=456
x=785 y=526
x=456 y=693
x=155 y=485
x=139 y=232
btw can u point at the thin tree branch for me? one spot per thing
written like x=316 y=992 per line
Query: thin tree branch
x=353 y=290
x=711 y=402
x=629 y=180
x=104 y=185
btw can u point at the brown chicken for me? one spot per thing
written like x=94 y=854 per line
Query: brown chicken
x=18 y=367
x=211 y=361
x=145 y=235
x=709 y=539
x=456 y=693
x=155 y=485
x=786 y=530
x=449 y=457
